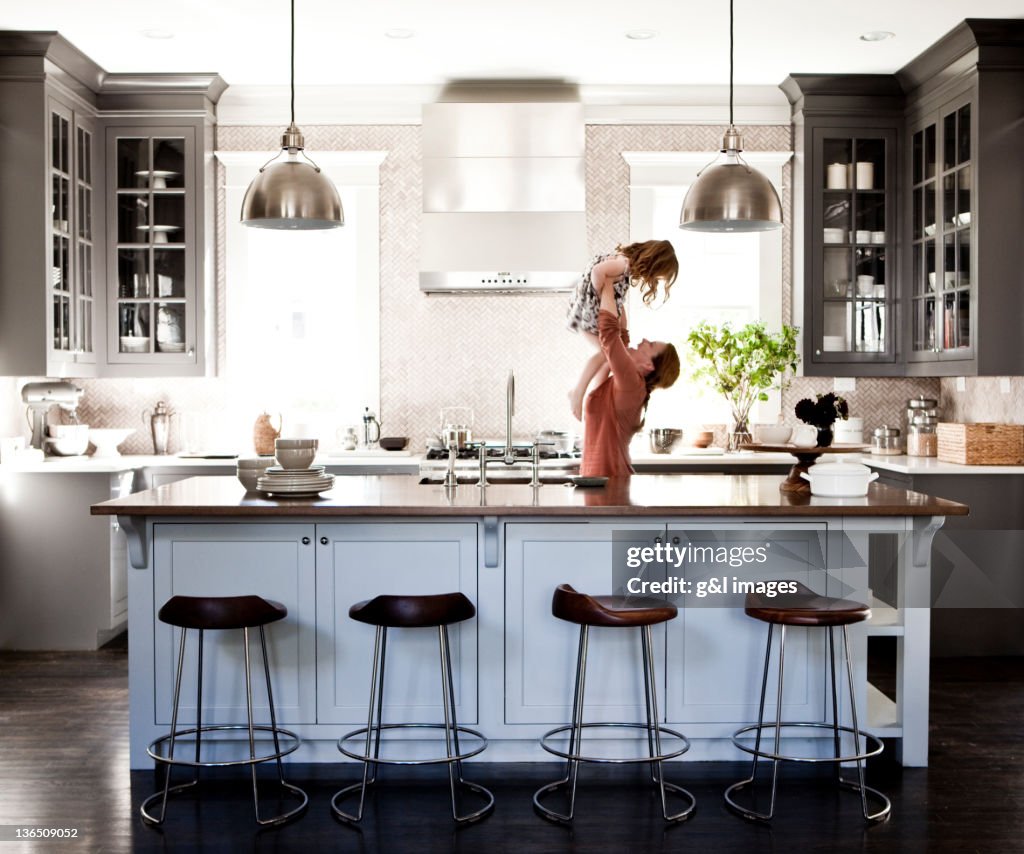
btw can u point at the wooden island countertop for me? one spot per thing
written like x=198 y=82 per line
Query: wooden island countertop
x=637 y=496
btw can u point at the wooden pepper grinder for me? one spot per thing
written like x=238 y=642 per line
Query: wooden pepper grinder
x=264 y=434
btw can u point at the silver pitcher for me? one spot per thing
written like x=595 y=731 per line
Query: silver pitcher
x=159 y=419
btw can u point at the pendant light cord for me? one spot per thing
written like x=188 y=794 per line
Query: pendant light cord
x=293 y=61
x=730 y=60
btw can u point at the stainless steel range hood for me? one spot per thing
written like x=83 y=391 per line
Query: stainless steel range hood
x=503 y=189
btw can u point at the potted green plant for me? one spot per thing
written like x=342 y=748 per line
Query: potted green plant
x=743 y=365
x=822 y=414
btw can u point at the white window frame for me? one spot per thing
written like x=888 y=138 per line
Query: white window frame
x=678 y=169
x=356 y=174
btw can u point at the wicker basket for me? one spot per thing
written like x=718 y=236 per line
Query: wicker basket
x=981 y=444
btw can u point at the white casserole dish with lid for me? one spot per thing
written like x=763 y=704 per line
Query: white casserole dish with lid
x=839 y=480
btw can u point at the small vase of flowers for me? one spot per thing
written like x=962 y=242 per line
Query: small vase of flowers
x=822 y=414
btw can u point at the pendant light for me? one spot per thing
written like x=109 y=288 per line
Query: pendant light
x=731 y=196
x=292 y=193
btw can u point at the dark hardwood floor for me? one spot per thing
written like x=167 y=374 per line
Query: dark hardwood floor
x=63 y=763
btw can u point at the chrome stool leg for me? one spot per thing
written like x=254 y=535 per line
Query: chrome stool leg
x=859 y=786
x=653 y=727
x=376 y=698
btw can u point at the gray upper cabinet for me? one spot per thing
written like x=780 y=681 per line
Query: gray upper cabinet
x=963 y=203
x=154 y=250
x=946 y=211
x=105 y=216
x=847 y=222
x=51 y=225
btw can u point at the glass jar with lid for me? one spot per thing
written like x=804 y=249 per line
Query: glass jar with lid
x=921 y=406
x=922 y=440
x=885 y=440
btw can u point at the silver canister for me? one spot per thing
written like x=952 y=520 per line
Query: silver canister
x=159 y=419
x=885 y=441
x=923 y=407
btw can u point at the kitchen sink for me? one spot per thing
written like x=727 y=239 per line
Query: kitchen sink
x=546 y=478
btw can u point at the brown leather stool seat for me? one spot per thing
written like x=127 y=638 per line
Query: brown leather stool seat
x=805 y=608
x=612 y=612
x=609 y=611
x=414 y=612
x=213 y=613
x=221 y=612
x=436 y=611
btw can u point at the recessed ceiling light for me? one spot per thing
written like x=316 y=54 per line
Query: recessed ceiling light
x=399 y=33
x=877 y=36
x=156 y=33
x=641 y=35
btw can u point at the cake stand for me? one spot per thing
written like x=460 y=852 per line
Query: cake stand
x=805 y=459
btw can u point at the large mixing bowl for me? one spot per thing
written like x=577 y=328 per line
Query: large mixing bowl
x=663 y=439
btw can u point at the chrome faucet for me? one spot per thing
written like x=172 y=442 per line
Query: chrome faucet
x=510 y=408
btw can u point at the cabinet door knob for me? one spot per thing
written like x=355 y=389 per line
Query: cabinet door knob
x=675 y=541
x=323 y=541
x=305 y=541
x=657 y=540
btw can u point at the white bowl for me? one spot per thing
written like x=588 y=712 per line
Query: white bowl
x=929 y=230
x=256 y=463
x=295 y=458
x=134 y=343
x=291 y=444
x=772 y=434
x=249 y=477
x=107 y=439
x=839 y=480
x=834 y=235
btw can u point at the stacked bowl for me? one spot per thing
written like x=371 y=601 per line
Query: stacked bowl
x=295 y=476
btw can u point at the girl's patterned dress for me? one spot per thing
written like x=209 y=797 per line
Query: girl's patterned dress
x=582 y=314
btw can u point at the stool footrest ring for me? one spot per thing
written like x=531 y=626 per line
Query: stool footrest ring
x=561 y=818
x=872 y=744
x=576 y=757
x=753 y=815
x=154 y=753
x=442 y=760
x=466 y=818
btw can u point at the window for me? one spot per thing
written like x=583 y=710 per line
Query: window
x=302 y=324
x=722 y=277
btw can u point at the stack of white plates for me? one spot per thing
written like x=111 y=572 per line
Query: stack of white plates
x=295 y=482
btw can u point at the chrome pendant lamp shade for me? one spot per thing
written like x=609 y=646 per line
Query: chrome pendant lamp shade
x=292 y=193
x=731 y=195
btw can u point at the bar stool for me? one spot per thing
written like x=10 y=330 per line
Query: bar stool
x=806 y=608
x=435 y=611
x=222 y=612
x=612 y=612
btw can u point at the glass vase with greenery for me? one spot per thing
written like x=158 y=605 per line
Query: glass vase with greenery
x=743 y=365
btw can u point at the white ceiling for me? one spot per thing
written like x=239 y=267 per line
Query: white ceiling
x=342 y=42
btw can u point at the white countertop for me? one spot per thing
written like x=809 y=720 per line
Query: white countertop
x=901 y=464
x=930 y=465
x=170 y=462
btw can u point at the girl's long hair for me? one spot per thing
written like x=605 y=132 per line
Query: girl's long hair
x=651 y=262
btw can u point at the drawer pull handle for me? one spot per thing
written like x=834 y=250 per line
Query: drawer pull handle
x=323 y=541
x=305 y=541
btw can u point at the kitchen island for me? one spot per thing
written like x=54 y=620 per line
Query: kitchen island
x=506 y=548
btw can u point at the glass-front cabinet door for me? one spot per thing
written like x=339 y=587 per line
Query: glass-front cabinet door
x=72 y=274
x=853 y=239
x=942 y=291
x=152 y=317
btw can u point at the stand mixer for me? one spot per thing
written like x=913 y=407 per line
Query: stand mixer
x=41 y=396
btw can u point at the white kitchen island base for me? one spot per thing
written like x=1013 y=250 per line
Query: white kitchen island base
x=514 y=662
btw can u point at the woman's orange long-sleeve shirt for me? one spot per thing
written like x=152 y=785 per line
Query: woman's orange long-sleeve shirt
x=612 y=409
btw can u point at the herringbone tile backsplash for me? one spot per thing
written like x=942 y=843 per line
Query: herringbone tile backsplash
x=442 y=350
